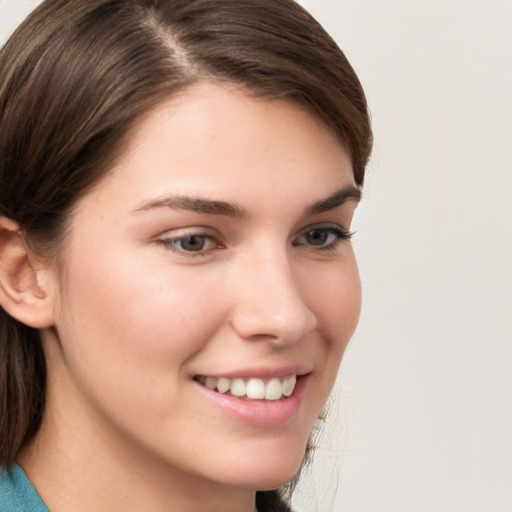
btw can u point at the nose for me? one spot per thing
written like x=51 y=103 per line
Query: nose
x=269 y=302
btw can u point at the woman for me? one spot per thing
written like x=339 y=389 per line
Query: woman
x=176 y=277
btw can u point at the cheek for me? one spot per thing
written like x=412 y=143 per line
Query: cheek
x=130 y=322
x=332 y=291
x=335 y=298
x=127 y=335
x=127 y=296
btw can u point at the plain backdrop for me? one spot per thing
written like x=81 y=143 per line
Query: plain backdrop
x=421 y=419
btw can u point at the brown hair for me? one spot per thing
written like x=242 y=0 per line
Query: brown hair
x=77 y=74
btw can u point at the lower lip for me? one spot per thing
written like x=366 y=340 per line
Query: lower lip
x=259 y=413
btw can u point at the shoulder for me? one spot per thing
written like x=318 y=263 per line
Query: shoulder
x=17 y=494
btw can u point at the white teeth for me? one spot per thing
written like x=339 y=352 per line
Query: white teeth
x=273 y=389
x=223 y=385
x=289 y=385
x=238 y=387
x=255 y=389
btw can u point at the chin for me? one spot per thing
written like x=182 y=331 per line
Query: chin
x=268 y=470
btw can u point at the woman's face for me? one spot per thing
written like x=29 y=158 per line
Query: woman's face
x=211 y=262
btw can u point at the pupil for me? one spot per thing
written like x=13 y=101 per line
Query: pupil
x=317 y=237
x=193 y=243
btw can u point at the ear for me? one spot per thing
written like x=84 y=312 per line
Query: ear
x=24 y=282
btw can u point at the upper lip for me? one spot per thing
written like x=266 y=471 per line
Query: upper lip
x=262 y=372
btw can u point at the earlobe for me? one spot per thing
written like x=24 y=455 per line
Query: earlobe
x=23 y=293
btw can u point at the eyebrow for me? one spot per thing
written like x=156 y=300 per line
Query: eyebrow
x=194 y=204
x=211 y=207
x=337 y=199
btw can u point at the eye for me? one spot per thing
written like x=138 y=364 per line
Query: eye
x=322 y=238
x=190 y=244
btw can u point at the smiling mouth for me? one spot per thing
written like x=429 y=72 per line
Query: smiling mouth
x=251 y=388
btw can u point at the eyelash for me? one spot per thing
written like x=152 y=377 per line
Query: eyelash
x=170 y=244
x=340 y=235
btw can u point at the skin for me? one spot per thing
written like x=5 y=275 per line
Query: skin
x=135 y=317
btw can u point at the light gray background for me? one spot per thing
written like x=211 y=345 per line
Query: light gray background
x=422 y=417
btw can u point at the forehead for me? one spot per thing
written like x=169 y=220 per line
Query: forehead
x=221 y=141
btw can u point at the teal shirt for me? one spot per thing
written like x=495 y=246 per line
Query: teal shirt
x=17 y=494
